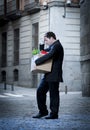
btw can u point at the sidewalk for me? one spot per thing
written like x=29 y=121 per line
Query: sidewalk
x=17 y=108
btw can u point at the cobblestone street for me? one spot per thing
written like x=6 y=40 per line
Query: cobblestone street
x=17 y=108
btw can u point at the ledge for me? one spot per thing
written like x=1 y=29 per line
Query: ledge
x=56 y=3
x=62 y=4
x=85 y=58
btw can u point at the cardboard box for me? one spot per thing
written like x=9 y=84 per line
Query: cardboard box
x=43 y=68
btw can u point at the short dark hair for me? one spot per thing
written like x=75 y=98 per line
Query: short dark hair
x=50 y=34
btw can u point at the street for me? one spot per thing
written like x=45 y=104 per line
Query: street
x=17 y=108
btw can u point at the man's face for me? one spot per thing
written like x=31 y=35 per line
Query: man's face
x=48 y=41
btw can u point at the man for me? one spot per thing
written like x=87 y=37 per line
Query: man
x=50 y=81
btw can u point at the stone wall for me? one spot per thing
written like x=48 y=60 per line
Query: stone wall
x=67 y=30
x=85 y=46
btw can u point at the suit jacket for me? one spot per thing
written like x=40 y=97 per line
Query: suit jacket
x=56 y=52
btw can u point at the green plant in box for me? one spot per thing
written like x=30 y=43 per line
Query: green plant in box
x=35 y=51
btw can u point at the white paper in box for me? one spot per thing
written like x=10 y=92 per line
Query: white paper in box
x=43 y=68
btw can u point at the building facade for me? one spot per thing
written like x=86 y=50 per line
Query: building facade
x=22 y=27
x=85 y=46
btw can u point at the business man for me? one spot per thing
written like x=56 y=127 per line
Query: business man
x=50 y=81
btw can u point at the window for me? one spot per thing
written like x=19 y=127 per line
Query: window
x=10 y=6
x=13 y=5
x=3 y=75
x=1 y=7
x=16 y=47
x=15 y=75
x=21 y=3
x=4 y=50
x=1 y=2
x=34 y=45
x=35 y=35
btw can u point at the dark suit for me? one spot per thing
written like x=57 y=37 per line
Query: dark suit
x=51 y=80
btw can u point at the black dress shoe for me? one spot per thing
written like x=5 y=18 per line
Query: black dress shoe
x=39 y=115
x=51 y=117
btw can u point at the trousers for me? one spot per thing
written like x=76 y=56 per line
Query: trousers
x=53 y=88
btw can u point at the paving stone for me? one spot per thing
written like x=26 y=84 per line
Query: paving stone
x=17 y=108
